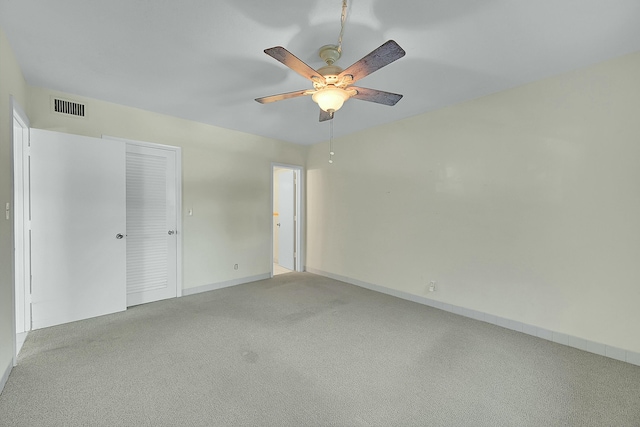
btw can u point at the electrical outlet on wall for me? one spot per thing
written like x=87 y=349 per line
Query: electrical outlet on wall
x=432 y=286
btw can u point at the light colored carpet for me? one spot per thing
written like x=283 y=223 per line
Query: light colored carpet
x=303 y=350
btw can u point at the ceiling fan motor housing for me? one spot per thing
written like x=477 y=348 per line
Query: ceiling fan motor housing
x=330 y=74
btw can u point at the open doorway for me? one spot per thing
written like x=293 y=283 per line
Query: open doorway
x=22 y=227
x=287 y=225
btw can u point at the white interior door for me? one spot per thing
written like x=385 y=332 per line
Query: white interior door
x=286 y=217
x=78 y=221
x=151 y=224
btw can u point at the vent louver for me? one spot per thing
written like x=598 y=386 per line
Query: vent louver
x=70 y=108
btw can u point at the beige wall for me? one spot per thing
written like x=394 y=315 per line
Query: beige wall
x=226 y=182
x=11 y=84
x=524 y=204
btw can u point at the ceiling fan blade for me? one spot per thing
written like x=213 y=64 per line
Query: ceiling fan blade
x=280 y=97
x=377 y=96
x=324 y=116
x=290 y=60
x=384 y=55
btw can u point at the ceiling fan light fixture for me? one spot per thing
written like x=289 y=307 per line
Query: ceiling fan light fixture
x=330 y=99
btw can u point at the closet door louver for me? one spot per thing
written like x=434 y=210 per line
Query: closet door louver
x=148 y=227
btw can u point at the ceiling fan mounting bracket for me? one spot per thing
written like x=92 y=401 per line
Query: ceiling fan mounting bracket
x=329 y=53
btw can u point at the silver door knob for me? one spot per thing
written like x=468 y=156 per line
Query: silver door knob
x=171 y=232
x=119 y=236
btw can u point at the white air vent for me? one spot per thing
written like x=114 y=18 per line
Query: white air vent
x=66 y=107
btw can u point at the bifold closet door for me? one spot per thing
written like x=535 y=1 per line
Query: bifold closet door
x=78 y=221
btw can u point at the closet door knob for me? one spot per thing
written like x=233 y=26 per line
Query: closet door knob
x=171 y=232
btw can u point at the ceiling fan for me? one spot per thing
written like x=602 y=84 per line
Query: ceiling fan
x=331 y=84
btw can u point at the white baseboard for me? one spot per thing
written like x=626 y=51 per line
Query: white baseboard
x=5 y=375
x=225 y=284
x=557 y=337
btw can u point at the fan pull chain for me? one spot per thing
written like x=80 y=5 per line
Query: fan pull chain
x=343 y=20
x=331 y=142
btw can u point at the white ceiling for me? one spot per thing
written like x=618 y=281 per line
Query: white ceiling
x=204 y=60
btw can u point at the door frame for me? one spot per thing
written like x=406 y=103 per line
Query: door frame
x=20 y=192
x=298 y=212
x=178 y=153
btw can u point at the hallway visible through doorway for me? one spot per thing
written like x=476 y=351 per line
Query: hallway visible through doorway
x=278 y=269
x=286 y=227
